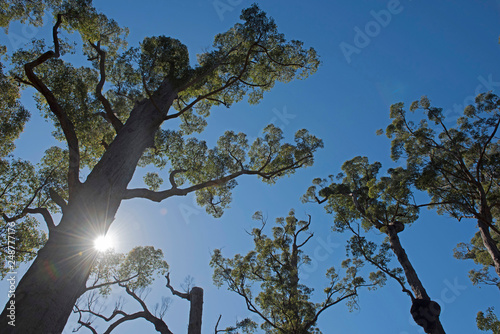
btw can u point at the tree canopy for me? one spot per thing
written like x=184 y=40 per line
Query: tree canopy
x=108 y=114
x=283 y=303
x=133 y=117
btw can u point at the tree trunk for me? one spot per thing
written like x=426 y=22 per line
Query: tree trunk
x=425 y=312
x=490 y=245
x=45 y=296
x=195 y=310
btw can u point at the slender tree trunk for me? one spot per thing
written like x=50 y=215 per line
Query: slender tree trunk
x=294 y=286
x=195 y=310
x=45 y=296
x=425 y=311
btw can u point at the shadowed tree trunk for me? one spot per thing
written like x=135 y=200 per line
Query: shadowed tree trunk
x=59 y=273
x=195 y=310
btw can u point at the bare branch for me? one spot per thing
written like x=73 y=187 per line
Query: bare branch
x=217 y=325
x=175 y=292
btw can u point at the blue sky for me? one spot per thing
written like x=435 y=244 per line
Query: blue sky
x=447 y=50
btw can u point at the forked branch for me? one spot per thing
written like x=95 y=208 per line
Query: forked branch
x=66 y=124
x=109 y=116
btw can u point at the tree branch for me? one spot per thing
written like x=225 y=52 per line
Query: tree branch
x=379 y=266
x=217 y=325
x=275 y=61
x=161 y=195
x=209 y=70
x=110 y=115
x=241 y=291
x=172 y=177
x=483 y=150
x=46 y=216
x=66 y=124
x=57 y=198
x=98 y=286
x=228 y=83
x=175 y=292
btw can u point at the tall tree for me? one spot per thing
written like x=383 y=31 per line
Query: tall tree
x=110 y=116
x=283 y=303
x=457 y=166
x=363 y=200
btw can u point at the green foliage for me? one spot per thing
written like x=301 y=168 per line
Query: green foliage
x=136 y=269
x=362 y=195
x=476 y=251
x=251 y=56
x=488 y=322
x=153 y=181
x=24 y=11
x=363 y=200
x=281 y=301
x=245 y=326
x=13 y=116
x=145 y=261
x=94 y=98
x=267 y=157
x=457 y=166
x=23 y=186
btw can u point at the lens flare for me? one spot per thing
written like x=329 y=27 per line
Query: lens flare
x=104 y=243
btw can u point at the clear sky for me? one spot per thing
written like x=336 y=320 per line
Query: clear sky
x=447 y=50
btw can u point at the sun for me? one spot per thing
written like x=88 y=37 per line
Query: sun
x=103 y=243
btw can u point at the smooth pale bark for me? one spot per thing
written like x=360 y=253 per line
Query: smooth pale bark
x=48 y=291
x=416 y=285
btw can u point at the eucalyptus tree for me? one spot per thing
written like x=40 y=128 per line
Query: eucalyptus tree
x=362 y=200
x=458 y=167
x=110 y=117
x=281 y=301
